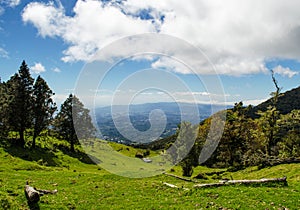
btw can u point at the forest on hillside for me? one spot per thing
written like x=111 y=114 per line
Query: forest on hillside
x=265 y=135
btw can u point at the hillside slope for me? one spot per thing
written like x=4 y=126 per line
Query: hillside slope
x=86 y=186
x=287 y=102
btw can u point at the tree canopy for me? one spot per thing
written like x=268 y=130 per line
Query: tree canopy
x=20 y=87
x=72 y=113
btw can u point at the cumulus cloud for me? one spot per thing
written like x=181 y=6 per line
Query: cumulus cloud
x=37 y=68
x=284 y=71
x=237 y=36
x=92 y=27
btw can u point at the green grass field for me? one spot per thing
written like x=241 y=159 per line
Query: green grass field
x=84 y=185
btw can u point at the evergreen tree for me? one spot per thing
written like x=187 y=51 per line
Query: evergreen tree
x=73 y=115
x=20 y=105
x=43 y=107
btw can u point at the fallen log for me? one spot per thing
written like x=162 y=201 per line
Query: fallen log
x=42 y=192
x=174 y=186
x=233 y=182
x=33 y=195
x=170 y=185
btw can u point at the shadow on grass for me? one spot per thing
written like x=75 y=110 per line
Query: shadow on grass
x=47 y=157
x=42 y=156
x=33 y=206
x=80 y=155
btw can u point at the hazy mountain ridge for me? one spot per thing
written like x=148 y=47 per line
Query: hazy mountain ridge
x=139 y=117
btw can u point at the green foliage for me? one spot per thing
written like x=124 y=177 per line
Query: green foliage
x=270 y=139
x=43 y=107
x=25 y=105
x=269 y=125
x=265 y=141
x=86 y=186
x=73 y=115
x=236 y=134
x=289 y=146
x=20 y=87
x=186 y=135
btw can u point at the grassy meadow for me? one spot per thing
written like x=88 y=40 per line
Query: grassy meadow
x=81 y=184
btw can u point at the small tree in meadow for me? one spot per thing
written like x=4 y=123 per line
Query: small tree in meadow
x=72 y=113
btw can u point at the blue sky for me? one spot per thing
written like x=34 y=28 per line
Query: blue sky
x=240 y=41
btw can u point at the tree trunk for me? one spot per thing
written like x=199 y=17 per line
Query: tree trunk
x=33 y=140
x=22 y=139
x=174 y=186
x=233 y=182
x=72 y=146
x=32 y=195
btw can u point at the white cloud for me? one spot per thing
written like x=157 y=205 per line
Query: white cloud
x=13 y=3
x=3 y=53
x=284 y=71
x=171 y=64
x=92 y=27
x=253 y=102
x=192 y=93
x=8 y=3
x=237 y=36
x=37 y=68
x=57 y=70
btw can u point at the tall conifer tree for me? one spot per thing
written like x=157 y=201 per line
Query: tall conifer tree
x=20 y=105
x=43 y=107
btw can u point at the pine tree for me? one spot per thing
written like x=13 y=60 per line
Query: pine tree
x=73 y=115
x=43 y=107
x=20 y=105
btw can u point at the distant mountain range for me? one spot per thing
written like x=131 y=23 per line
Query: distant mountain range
x=287 y=102
x=170 y=112
x=173 y=115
